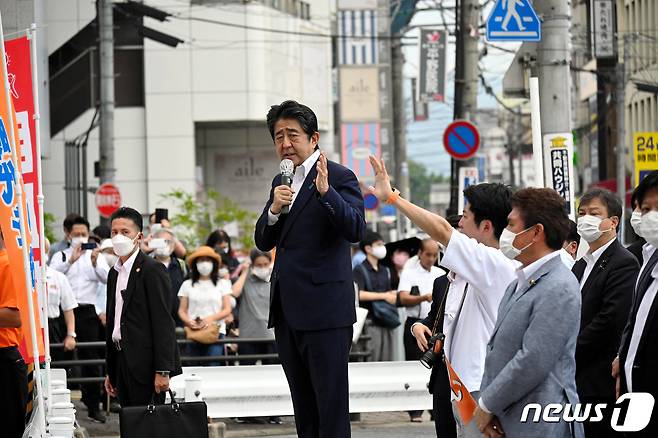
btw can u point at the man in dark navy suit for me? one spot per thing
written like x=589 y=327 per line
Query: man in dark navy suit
x=312 y=294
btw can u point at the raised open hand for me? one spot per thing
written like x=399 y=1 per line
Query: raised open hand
x=382 y=188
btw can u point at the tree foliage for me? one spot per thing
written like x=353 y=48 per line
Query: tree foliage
x=420 y=182
x=196 y=217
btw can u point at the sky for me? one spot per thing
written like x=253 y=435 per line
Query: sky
x=424 y=139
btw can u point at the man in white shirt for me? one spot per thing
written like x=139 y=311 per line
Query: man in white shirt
x=415 y=290
x=635 y=368
x=479 y=275
x=85 y=270
x=607 y=276
x=60 y=301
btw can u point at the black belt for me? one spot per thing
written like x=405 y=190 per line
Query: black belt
x=9 y=352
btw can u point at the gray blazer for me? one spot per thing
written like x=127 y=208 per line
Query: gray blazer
x=531 y=354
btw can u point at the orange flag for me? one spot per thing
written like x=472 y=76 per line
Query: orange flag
x=465 y=401
x=10 y=224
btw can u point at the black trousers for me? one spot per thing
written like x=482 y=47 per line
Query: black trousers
x=600 y=429
x=86 y=327
x=13 y=392
x=131 y=391
x=315 y=364
x=444 y=420
x=411 y=350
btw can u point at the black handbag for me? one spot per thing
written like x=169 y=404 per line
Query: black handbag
x=383 y=313
x=174 y=420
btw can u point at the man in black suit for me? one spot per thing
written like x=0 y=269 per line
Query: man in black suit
x=312 y=294
x=607 y=275
x=635 y=368
x=141 y=343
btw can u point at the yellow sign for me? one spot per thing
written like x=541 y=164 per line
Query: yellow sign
x=645 y=151
x=558 y=142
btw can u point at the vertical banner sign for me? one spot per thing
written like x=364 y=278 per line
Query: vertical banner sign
x=558 y=167
x=20 y=83
x=603 y=29
x=358 y=142
x=10 y=224
x=645 y=151
x=432 y=65
x=468 y=176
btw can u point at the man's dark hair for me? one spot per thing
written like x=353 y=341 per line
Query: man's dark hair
x=609 y=199
x=296 y=111
x=102 y=231
x=454 y=219
x=370 y=238
x=634 y=203
x=255 y=253
x=77 y=220
x=490 y=201
x=573 y=235
x=546 y=207
x=128 y=213
x=647 y=184
x=68 y=221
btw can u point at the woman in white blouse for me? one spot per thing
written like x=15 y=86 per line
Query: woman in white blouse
x=205 y=300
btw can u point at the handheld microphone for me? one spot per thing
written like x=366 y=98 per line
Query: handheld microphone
x=287 y=168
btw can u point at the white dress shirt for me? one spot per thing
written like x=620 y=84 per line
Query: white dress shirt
x=523 y=274
x=567 y=259
x=640 y=322
x=590 y=259
x=122 y=283
x=82 y=275
x=416 y=275
x=297 y=180
x=484 y=273
x=59 y=293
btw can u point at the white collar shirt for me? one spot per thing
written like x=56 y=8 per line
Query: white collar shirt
x=483 y=273
x=591 y=258
x=415 y=275
x=523 y=274
x=60 y=293
x=640 y=322
x=567 y=259
x=82 y=275
x=301 y=172
x=122 y=283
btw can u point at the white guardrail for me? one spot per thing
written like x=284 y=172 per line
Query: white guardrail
x=262 y=390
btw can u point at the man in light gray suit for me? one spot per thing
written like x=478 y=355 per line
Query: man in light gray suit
x=531 y=354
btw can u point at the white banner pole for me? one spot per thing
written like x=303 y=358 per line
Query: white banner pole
x=537 y=150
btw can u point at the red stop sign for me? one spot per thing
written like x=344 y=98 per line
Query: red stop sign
x=108 y=199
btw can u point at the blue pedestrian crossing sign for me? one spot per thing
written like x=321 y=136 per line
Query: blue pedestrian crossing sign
x=513 y=20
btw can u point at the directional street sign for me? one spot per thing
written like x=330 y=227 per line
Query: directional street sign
x=513 y=20
x=461 y=139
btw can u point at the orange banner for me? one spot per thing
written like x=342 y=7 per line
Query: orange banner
x=465 y=401
x=10 y=223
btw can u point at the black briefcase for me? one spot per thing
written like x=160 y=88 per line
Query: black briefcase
x=175 y=420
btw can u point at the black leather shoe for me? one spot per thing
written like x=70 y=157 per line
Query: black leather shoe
x=97 y=416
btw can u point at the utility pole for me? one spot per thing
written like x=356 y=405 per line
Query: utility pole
x=399 y=128
x=621 y=132
x=466 y=81
x=106 y=147
x=553 y=59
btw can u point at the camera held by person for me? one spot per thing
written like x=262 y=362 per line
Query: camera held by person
x=434 y=350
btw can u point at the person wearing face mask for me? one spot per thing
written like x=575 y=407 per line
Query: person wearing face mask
x=253 y=291
x=635 y=248
x=479 y=274
x=220 y=241
x=179 y=248
x=635 y=366
x=204 y=300
x=163 y=242
x=607 y=275
x=67 y=224
x=570 y=247
x=141 y=348
x=86 y=271
x=373 y=280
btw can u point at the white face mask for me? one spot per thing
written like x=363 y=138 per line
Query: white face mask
x=223 y=272
x=588 y=228
x=123 y=245
x=649 y=227
x=506 y=244
x=204 y=268
x=77 y=241
x=164 y=251
x=111 y=259
x=262 y=273
x=636 y=222
x=379 y=252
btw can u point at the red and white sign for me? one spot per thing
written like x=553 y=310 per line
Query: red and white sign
x=17 y=53
x=108 y=199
